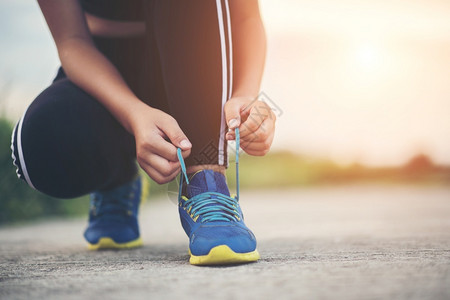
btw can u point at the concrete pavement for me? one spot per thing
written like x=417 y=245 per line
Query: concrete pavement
x=348 y=242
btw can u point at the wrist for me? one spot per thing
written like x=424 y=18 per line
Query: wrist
x=131 y=114
x=247 y=93
x=247 y=96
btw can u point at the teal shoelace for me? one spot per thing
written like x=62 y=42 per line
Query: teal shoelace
x=211 y=206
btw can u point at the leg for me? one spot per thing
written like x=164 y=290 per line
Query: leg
x=194 y=44
x=68 y=145
x=192 y=39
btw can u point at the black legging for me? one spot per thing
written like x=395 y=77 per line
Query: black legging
x=67 y=144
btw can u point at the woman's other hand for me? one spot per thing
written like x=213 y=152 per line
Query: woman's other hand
x=256 y=122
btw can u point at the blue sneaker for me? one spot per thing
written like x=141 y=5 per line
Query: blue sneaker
x=213 y=220
x=113 y=220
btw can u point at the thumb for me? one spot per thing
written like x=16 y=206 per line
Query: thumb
x=232 y=111
x=176 y=135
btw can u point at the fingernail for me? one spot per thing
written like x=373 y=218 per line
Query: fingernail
x=230 y=135
x=185 y=144
x=232 y=123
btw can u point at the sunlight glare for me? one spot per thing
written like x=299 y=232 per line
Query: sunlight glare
x=368 y=56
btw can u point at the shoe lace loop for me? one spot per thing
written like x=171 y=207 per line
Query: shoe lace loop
x=211 y=206
x=105 y=203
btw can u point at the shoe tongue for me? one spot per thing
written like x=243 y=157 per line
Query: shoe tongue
x=207 y=181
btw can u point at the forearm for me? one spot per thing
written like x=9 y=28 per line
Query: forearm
x=249 y=53
x=84 y=64
x=95 y=74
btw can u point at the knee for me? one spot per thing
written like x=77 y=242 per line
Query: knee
x=36 y=145
x=67 y=144
x=34 y=163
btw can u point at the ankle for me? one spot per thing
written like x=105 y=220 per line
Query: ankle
x=215 y=168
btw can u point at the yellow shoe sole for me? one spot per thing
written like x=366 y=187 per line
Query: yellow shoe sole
x=223 y=255
x=108 y=243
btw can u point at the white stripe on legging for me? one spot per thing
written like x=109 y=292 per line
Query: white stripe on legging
x=230 y=51
x=230 y=56
x=224 y=80
x=20 y=151
x=13 y=156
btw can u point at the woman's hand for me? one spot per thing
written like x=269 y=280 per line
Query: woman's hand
x=256 y=123
x=157 y=137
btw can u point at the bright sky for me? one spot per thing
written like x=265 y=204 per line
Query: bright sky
x=365 y=81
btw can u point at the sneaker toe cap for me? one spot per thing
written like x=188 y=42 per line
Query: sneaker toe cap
x=120 y=233
x=239 y=239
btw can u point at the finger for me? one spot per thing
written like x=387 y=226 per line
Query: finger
x=257 y=117
x=158 y=172
x=163 y=166
x=237 y=110
x=256 y=152
x=156 y=176
x=172 y=130
x=258 y=144
x=258 y=149
x=167 y=150
x=254 y=121
x=160 y=164
x=161 y=147
x=266 y=128
x=232 y=110
x=230 y=136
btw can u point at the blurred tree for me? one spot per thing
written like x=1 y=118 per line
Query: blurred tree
x=420 y=163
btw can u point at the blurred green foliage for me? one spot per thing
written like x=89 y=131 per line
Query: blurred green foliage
x=18 y=201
